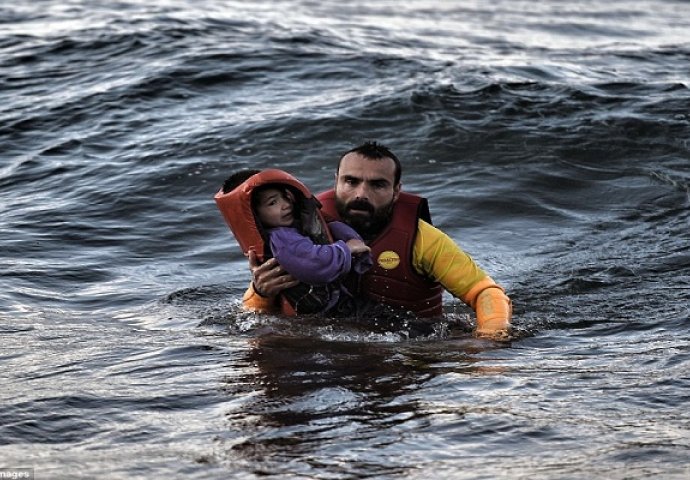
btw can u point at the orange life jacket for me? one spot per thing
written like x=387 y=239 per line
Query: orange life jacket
x=236 y=207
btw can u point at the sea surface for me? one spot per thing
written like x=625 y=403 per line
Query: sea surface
x=552 y=140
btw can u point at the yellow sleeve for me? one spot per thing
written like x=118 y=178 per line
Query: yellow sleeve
x=253 y=302
x=437 y=256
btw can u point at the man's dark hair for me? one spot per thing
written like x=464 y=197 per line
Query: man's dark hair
x=237 y=179
x=376 y=151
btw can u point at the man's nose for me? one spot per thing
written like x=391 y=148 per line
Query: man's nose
x=362 y=191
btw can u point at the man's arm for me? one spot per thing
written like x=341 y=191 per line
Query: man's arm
x=437 y=256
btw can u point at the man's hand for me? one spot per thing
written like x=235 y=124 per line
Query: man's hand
x=269 y=278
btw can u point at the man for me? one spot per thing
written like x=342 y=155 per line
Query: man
x=413 y=261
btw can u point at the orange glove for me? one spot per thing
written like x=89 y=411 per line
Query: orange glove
x=492 y=306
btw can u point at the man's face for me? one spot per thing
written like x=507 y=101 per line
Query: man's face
x=365 y=192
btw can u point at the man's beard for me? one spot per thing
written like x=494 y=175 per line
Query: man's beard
x=366 y=225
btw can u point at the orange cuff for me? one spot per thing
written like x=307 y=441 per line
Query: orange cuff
x=492 y=306
x=254 y=302
x=470 y=298
x=494 y=310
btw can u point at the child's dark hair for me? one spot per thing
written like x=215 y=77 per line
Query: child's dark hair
x=237 y=179
x=278 y=186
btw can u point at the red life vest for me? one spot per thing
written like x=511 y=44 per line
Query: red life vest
x=392 y=280
x=236 y=207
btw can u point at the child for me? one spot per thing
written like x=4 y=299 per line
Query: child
x=291 y=229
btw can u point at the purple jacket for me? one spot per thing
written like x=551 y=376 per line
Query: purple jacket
x=316 y=264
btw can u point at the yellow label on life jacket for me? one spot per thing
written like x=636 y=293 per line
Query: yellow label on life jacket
x=388 y=260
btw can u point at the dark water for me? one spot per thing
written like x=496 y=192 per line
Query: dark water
x=552 y=139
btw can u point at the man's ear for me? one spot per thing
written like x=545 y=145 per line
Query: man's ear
x=396 y=191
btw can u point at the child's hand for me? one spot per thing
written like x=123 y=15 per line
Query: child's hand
x=357 y=247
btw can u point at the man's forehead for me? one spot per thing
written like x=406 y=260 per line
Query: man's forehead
x=356 y=165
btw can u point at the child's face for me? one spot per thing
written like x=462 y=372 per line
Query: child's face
x=274 y=207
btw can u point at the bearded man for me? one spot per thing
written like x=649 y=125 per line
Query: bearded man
x=414 y=262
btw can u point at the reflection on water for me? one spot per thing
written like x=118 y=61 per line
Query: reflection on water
x=335 y=403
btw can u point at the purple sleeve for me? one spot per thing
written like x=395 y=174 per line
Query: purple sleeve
x=342 y=231
x=306 y=261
